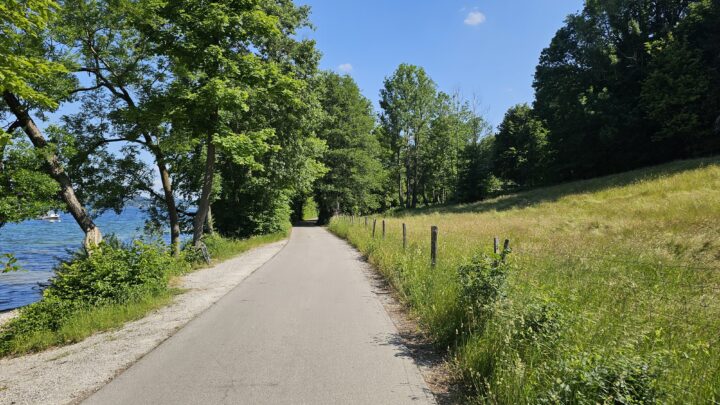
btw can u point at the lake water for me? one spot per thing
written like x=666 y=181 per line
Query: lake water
x=39 y=245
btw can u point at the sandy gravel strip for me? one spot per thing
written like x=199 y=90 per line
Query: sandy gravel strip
x=6 y=316
x=71 y=373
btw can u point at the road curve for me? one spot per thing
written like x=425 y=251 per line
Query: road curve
x=305 y=328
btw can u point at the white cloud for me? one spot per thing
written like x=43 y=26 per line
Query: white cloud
x=345 y=68
x=475 y=18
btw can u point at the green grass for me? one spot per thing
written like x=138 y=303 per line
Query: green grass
x=221 y=249
x=613 y=293
x=88 y=321
x=47 y=326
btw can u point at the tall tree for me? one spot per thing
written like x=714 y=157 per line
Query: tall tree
x=453 y=128
x=111 y=43
x=521 y=147
x=254 y=196
x=222 y=55
x=588 y=85
x=29 y=79
x=682 y=91
x=409 y=103
x=355 y=176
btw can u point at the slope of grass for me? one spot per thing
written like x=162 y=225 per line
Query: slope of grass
x=612 y=295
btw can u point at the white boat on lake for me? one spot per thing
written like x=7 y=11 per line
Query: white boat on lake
x=51 y=216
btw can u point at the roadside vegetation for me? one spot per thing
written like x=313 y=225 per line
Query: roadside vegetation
x=115 y=284
x=610 y=294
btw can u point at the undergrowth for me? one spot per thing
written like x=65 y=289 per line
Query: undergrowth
x=114 y=284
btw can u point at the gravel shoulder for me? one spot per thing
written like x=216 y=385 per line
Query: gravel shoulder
x=71 y=373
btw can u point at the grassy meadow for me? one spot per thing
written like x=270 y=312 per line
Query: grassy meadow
x=611 y=293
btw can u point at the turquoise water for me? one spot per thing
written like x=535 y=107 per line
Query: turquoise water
x=39 y=245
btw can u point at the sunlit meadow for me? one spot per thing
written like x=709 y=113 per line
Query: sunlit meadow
x=613 y=292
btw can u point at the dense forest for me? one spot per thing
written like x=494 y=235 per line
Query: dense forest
x=238 y=127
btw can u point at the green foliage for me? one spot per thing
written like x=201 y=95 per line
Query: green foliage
x=408 y=100
x=113 y=274
x=625 y=84
x=354 y=178
x=477 y=180
x=24 y=69
x=482 y=284
x=429 y=137
x=592 y=378
x=680 y=93
x=26 y=191
x=111 y=277
x=520 y=147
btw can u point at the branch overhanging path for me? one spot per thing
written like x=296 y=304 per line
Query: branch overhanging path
x=304 y=328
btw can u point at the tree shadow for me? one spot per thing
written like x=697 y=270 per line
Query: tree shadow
x=554 y=193
x=305 y=224
x=409 y=342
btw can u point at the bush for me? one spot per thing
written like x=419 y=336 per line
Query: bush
x=482 y=283
x=113 y=274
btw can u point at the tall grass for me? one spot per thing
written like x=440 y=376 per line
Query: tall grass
x=613 y=293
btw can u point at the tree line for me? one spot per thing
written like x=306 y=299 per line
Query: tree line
x=239 y=127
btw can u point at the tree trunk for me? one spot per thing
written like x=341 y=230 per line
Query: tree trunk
x=93 y=237
x=416 y=180
x=169 y=201
x=209 y=221
x=204 y=202
x=399 y=179
x=409 y=177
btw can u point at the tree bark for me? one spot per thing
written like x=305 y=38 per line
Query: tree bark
x=409 y=177
x=204 y=202
x=209 y=221
x=93 y=237
x=399 y=179
x=169 y=202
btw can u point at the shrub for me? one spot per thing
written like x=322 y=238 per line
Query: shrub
x=113 y=274
x=482 y=283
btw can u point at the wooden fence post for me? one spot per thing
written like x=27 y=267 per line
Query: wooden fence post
x=506 y=249
x=365 y=222
x=433 y=245
x=383 y=224
x=373 y=234
x=404 y=237
x=496 y=243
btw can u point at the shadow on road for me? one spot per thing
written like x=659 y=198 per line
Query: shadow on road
x=411 y=343
x=305 y=224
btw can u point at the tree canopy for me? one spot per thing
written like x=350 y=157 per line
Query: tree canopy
x=218 y=113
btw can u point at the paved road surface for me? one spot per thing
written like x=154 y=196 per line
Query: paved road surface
x=305 y=328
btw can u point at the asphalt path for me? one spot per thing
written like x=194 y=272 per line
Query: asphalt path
x=305 y=328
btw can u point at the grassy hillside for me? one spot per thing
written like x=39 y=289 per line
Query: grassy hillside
x=611 y=292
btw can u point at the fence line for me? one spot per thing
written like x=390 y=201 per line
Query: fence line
x=655 y=265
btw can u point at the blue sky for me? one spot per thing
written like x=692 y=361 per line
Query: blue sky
x=486 y=48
